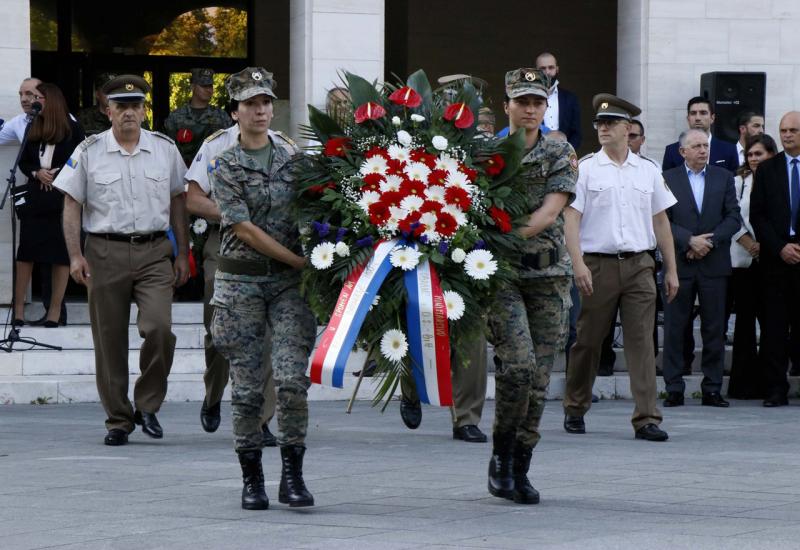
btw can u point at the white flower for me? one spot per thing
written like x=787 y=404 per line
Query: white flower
x=322 y=255
x=431 y=234
x=342 y=249
x=411 y=203
x=428 y=219
x=377 y=300
x=455 y=305
x=440 y=142
x=394 y=345
x=456 y=212
x=374 y=165
x=367 y=198
x=398 y=153
x=446 y=163
x=199 y=226
x=458 y=255
x=435 y=193
x=457 y=179
x=397 y=212
x=404 y=138
x=417 y=118
x=391 y=183
x=396 y=121
x=404 y=257
x=417 y=171
x=480 y=264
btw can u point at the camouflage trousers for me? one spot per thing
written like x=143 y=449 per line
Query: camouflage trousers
x=528 y=323
x=241 y=314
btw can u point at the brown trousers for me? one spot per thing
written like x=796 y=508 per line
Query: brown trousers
x=629 y=282
x=121 y=272
x=217 y=368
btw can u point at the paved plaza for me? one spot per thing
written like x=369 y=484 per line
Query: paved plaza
x=725 y=479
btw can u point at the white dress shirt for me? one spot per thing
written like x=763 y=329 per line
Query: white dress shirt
x=697 y=181
x=13 y=130
x=551 y=114
x=203 y=162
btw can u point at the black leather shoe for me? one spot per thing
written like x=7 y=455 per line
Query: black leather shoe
x=411 y=413
x=776 y=400
x=714 y=399
x=574 y=424
x=595 y=398
x=116 y=437
x=674 y=399
x=209 y=417
x=18 y=323
x=469 y=433
x=149 y=424
x=38 y=322
x=268 y=440
x=369 y=370
x=651 y=432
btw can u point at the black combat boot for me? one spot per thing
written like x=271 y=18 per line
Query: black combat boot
x=253 y=495
x=524 y=493
x=292 y=490
x=501 y=481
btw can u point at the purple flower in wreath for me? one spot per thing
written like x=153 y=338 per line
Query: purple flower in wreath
x=364 y=242
x=340 y=233
x=443 y=247
x=322 y=229
x=423 y=239
x=480 y=245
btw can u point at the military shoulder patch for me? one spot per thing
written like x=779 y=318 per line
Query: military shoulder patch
x=215 y=135
x=163 y=136
x=573 y=160
x=82 y=146
x=648 y=159
x=286 y=138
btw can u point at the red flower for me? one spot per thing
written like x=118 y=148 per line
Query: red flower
x=369 y=111
x=501 y=219
x=437 y=177
x=378 y=213
x=395 y=167
x=192 y=264
x=412 y=187
x=376 y=151
x=446 y=224
x=336 y=147
x=372 y=182
x=460 y=114
x=458 y=197
x=392 y=198
x=494 y=165
x=471 y=174
x=320 y=189
x=406 y=96
x=429 y=160
x=412 y=220
x=184 y=135
x=430 y=206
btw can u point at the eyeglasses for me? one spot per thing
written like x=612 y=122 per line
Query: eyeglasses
x=634 y=136
x=608 y=123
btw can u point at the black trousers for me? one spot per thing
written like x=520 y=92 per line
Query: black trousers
x=781 y=299
x=747 y=379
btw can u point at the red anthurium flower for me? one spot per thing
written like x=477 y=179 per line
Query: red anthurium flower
x=378 y=213
x=501 y=219
x=372 y=182
x=413 y=187
x=336 y=147
x=369 y=111
x=192 y=264
x=320 y=189
x=446 y=224
x=494 y=165
x=376 y=151
x=437 y=177
x=392 y=198
x=458 y=197
x=460 y=114
x=430 y=206
x=406 y=96
x=395 y=167
x=184 y=135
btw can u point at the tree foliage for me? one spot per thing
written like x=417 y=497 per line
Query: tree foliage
x=205 y=32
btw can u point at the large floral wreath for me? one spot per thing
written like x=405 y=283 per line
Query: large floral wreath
x=406 y=191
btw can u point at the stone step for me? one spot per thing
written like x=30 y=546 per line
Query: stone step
x=79 y=337
x=183 y=313
x=189 y=387
x=80 y=362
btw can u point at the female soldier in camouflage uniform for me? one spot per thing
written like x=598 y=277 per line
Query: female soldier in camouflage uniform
x=257 y=282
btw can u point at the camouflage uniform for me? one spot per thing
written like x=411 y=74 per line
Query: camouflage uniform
x=245 y=303
x=93 y=121
x=190 y=127
x=528 y=319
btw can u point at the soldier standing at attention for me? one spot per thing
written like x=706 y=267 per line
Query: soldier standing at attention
x=200 y=203
x=192 y=123
x=618 y=217
x=258 y=284
x=94 y=118
x=528 y=319
x=129 y=184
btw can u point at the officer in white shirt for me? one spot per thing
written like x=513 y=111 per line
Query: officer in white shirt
x=618 y=216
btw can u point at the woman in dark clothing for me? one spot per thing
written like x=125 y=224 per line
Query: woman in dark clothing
x=52 y=139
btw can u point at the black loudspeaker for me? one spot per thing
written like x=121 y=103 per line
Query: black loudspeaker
x=732 y=94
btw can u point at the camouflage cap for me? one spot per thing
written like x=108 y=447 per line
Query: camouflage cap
x=202 y=77
x=126 y=88
x=611 y=106
x=250 y=82
x=101 y=79
x=451 y=78
x=525 y=81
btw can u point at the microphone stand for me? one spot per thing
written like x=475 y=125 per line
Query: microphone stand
x=7 y=343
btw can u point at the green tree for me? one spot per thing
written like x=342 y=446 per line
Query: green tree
x=213 y=32
x=44 y=30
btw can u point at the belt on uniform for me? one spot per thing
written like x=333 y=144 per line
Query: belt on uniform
x=238 y=266
x=617 y=255
x=130 y=237
x=543 y=259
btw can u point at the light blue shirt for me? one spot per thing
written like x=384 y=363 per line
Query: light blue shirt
x=789 y=175
x=697 y=180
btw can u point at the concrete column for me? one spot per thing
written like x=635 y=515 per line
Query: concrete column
x=15 y=51
x=326 y=38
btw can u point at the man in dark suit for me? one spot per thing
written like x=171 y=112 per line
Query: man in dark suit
x=563 y=112
x=700 y=115
x=774 y=206
x=703 y=221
